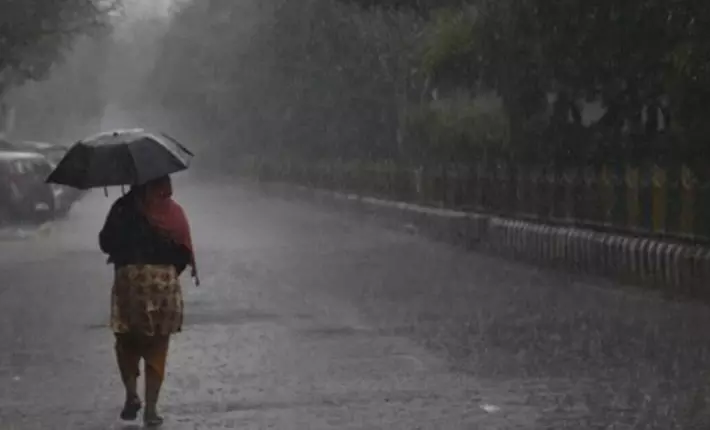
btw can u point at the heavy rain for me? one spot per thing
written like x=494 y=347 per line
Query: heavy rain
x=381 y=214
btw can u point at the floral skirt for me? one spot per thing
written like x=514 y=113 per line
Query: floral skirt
x=146 y=299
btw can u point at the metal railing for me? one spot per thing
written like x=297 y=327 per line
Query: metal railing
x=654 y=200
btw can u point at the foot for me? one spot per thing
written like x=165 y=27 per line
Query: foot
x=152 y=419
x=130 y=409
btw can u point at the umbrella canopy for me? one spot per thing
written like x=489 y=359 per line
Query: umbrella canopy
x=121 y=157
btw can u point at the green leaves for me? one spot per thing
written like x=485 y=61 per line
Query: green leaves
x=456 y=130
x=450 y=48
x=351 y=78
x=632 y=55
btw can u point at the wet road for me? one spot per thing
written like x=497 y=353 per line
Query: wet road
x=311 y=319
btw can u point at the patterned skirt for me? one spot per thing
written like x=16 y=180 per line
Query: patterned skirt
x=146 y=299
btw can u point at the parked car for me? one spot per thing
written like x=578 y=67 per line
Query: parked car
x=66 y=196
x=24 y=194
x=6 y=145
x=53 y=152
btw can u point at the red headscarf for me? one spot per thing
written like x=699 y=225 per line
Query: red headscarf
x=166 y=214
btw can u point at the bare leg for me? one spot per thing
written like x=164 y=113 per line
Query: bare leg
x=128 y=364
x=155 y=360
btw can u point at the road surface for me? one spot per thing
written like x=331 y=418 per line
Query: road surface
x=314 y=319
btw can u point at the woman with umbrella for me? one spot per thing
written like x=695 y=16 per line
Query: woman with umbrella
x=147 y=237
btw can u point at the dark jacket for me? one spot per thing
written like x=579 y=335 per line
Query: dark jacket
x=128 y=238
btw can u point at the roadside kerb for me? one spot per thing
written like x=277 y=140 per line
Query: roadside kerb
x=677 y=268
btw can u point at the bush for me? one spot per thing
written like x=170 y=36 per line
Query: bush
x=456 y=131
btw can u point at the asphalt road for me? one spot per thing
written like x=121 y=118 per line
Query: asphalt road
x=314 y=319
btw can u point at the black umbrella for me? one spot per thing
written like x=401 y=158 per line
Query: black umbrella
x=122 y=157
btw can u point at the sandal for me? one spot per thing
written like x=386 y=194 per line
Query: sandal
x=130 y=410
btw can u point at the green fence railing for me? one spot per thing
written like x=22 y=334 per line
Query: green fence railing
x=651 y=200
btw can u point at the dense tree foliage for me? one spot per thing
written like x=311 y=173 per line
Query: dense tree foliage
x=645 y=61
x=317 y=78
x=35 y=33
x=67 y=104
x=391 y=79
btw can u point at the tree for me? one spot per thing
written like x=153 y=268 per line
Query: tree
x=68 y=103
x=637 y=57
x=422 y=7
x=35 y=33
x=338 y=78
x=491 y=45
x=311 y=79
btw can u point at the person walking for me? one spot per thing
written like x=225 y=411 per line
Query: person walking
x=147 y=238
